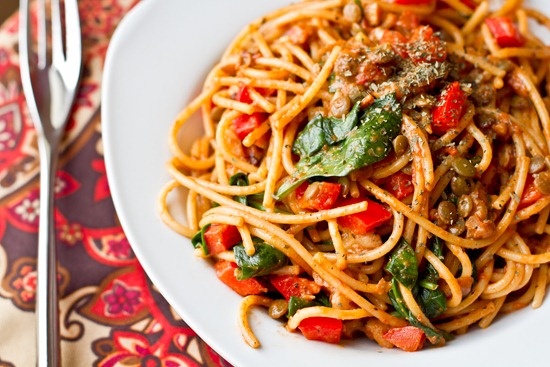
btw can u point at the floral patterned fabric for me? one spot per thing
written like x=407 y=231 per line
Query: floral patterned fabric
x=111 y=314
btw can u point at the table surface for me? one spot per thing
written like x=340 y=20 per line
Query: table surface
x=112 y=314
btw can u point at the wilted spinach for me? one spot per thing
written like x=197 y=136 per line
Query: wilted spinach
x=254 y=200
x=239 y=179
x=296 y=303
x=431 y=298
x=199 y=241
x=322 y=131
x=433 y=302
x=265 y=260
x=334 y=148
x=401 y=308
x=403 y=266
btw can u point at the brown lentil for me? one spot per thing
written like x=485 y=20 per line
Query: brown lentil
x=542 y=182
x=538 y=164
x=400 y=145
x=339 y=105
x=278 y=308
x=465 y=205
x=460 y=186
x=352 y=12
x=464 y=167
x=447 y=212
x=312 y=191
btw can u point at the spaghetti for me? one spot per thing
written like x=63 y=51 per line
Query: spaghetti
x=374 y=167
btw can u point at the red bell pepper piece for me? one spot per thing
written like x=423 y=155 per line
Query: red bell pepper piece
x=245 y=124
x=326 y=196
x=448 y=109
x=407 y=338
x=397 y=41
x=399 y=185
x=324 y=329
x=408 y=21
x=225 y=270
x=363 y=222
x=294 y=286
x=243 y=95
x=505 y=32
x=531 y=193
x=300 y=190
x=221 y=237
x=423 y=46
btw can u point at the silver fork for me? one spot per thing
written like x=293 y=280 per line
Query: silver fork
x=50 y=82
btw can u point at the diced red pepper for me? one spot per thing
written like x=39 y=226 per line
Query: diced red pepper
x=245 y=124
x=531 y=193
x=399 y=185
x=408 y=21
x=448 y=109
x=368 y=72
x=221 y=237
x=505 y=32
x=412 y=2
x=243 y=95
x=225 y=270
x=397 y=41
x=300 y=190
x=423 y=46
x=407 y=338
x=326 y=196
x=294 y=286
x=363 y=222
x=324 y=329
x=266 y=92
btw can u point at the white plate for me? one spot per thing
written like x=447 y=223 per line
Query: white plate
x=156 y=62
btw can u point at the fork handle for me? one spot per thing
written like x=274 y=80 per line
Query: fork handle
x=47 y=308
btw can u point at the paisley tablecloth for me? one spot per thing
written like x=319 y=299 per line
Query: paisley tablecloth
x=111 y=313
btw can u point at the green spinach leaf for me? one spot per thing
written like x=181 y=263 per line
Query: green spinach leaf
x=312 y=138
x=401 y=308
x=296 y=303
x=340 y=128
x=431 y=276
x=397 y=300
x=265 y=260
x=199 y=241
x=403 y=264
x=254 y=200
x=432 y=302
x=431 y=299
x=368 y=143
x=239 y=179
x=429 y=296
x=437 y=248
x=322 y=131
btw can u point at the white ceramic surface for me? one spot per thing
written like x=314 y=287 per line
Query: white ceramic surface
x=157 y=59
